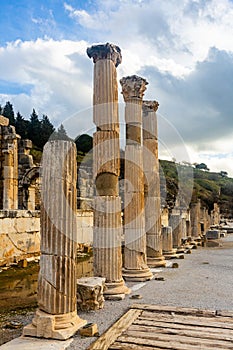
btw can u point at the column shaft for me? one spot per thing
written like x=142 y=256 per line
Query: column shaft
x=152 y=185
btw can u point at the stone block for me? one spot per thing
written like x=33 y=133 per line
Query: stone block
x=4 y=121
x=90 y=293
x=212 y=234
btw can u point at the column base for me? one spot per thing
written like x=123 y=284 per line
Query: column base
x=116 y=290
x=137 y=275
x=172 y=254
x=59 y=327
x=158 y=261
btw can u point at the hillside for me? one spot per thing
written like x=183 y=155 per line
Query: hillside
x=208 y=186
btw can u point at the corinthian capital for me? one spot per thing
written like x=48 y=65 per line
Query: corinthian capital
x=149 y=106
x=133 y=87
x=105 y=51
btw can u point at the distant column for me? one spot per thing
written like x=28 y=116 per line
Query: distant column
x=152 y=185
x=57 y=316
x=195 y=209
x=167 y=243
x=106 y=163
x=135 y=264
x=175 y=222
x=10 y=167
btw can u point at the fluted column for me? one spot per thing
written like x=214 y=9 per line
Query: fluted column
x=135 y=263
x=57 y=314
x=152 y=185
x=106 y=169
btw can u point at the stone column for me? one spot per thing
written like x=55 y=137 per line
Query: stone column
x=175 y=222
x=106 y=169
x=10 y=167
x=195 y=220
x=152 y=185
x=167 y=243
x=135 y=264
x=57 y=316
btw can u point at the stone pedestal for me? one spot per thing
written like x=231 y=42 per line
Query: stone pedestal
x=106 y=170
x=167 y=243
x=152 y=186
x=57 y=315
x=135 y=263
x=90 y=293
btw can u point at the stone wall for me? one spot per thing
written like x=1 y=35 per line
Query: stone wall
x=20 y=233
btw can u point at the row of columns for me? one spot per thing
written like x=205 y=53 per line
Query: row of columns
x=56 y=316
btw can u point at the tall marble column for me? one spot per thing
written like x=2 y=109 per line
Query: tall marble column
x=106 y=170
x=152 y=185
x=56 y=316
x=167 y=243
x=135 y=263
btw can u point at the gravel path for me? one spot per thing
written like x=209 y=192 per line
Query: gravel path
x=204 y=279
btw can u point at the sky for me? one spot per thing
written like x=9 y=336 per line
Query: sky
x=184 y=49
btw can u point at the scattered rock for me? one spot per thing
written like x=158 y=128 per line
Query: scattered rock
x=160 y=278
x=136 y=296
x=175 y=265
x=89 y=330
x=13 y=325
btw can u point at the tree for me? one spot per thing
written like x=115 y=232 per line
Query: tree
x=60 y=134
x=84 y=143
x=21 y=126
x=34 y=129
x=202 y=166
x=8 y=112
x=47 y=129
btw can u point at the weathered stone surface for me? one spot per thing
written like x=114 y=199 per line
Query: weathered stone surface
x=57 y=314
x=19 y=235
x=152 y=185
x=26 y=343
x=90 y=293
x=107 y=205
x=167 y=242
x=4 y=121
x=175 y=223
x=133 y=87
x=105 y=52
x=195 y=219
x=135 y=265
x=106 y=152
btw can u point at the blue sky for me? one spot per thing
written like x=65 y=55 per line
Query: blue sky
x=183 y=48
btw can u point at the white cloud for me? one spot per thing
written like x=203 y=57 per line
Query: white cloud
x=59 y=73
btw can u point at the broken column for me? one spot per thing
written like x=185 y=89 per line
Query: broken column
x=152 y=185
x=56 y=316
x=9 y=165
x=135 y=264
x=106 y=169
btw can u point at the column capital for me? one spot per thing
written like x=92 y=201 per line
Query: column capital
x=105 y=51
x=150 y=106
x=133 y=87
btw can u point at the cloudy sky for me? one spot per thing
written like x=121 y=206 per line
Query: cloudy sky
x=184 y=48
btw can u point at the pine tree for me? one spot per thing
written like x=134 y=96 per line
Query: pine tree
x=61 y=134
x=34 y=130
x=21 y=126
x=8 y=112
x=47 y=129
